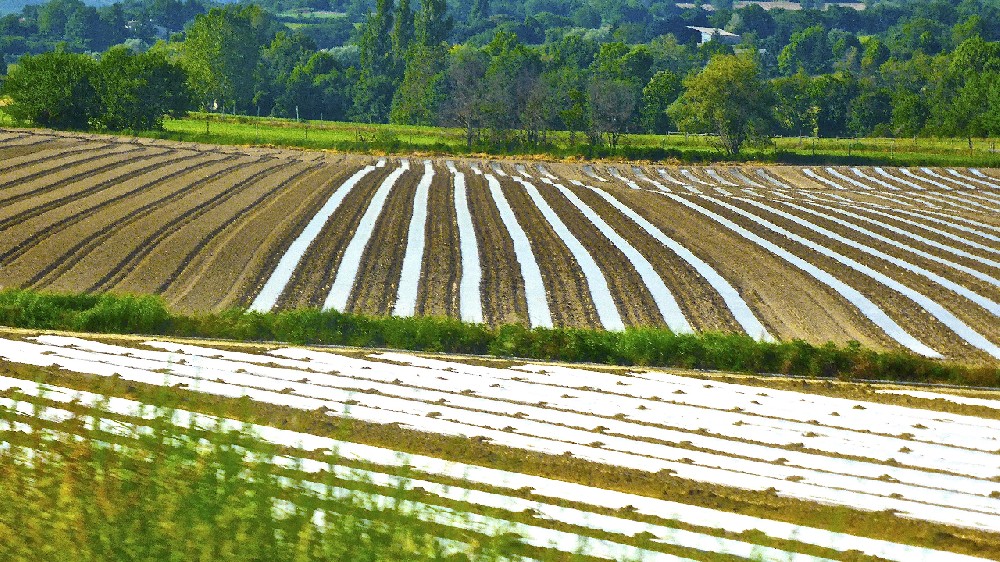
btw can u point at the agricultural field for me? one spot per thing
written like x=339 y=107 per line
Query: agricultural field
x=596 y=463
x=893 y=258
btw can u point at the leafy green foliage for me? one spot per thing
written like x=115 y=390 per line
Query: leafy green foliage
x=54 y=89
x=729 y=98
x=649 y=346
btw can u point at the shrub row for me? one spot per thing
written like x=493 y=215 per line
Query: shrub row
x=654 y=347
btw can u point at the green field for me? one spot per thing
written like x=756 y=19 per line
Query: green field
x=394 y=139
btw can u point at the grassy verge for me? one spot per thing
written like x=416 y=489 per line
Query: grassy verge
x=379 y=139
x=123 y=314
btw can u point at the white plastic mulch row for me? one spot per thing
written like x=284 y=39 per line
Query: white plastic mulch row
x=737 y=306
x=663 y=173
x=593 y=496
x=643 y=177
x=589 y=170
x=539 y=314
x=714 y=174
x=469 y=297
x=743 y=178
x=981 y=179
x=954 y=398
x=863 y=493
x=957 y=288
x=350 y=264
x=597 y=283
x=910 y=234
x=282 y=274
x=538 y=486
x=618 y=175
x=779 y=417
x=951 y=221
x=671 y=312
x=869 y=309
x=897 y=244
x=409 y=279
x=943 y=315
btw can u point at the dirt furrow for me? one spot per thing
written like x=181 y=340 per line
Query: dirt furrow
x=100 y=252
x=220 y=272
x=901 y=309
x=312 y=280
x=632 y=297
x=442 y=262
x=702 y=305
x=47 y=154
x=565 y=285
x=502 y=289
x=156 y=267
x=375 y=288
x=36 y=229
x=159 y=229
x=789 y=302
x=18 y=186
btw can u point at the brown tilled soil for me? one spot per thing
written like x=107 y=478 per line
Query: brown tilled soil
x=442 y=265
x=632 y=298
x=150 y=269
x=565 y=285
x=93 y=268
x=502 y=285
x=375 y=288
x=205 y=226
x=311 y=282
x=237 y=259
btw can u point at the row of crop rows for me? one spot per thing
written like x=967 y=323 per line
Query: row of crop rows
x=949 y=273
x=212 y=230
x=940 y=472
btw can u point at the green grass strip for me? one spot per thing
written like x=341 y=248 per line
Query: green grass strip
x=653 y=347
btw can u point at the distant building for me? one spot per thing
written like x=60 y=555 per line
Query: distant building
x=709 y=33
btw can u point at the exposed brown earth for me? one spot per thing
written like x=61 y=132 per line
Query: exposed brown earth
x=206 y=226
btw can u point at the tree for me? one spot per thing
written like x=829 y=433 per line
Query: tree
x=612 y=108
x=419 y=96
x=136 y=91
x=466 y=101
x=376 y=81
x=661 y=91
x=53 y=89
x=729 y=98
x=795 y=109
x=808 y=50
x=222 y=54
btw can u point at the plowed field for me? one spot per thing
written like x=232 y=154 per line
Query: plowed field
x=894 y=258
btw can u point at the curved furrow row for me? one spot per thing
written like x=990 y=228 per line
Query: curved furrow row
x=84 y=248
x=471 y=272
x=635 y=289
x=380 y=264
x=346 y=276
x=445 y=261
x=156 y=271
x=43 y=181
x=503 y=291
x=894 y=243
x=39 y=235
x=46 y=159
x=282 y=272
x=283 y=171
x=867 y=308
x=223 y=274
x=405 y=303
x=565 y=285
x=910 y=234
x=959 y=327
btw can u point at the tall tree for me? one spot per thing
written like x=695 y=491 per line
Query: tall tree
x=135 y=91
x=375 y=88
x=466 y=102
x=730 y=98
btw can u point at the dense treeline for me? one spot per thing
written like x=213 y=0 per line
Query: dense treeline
x=510 y=72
